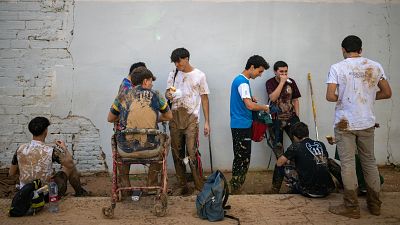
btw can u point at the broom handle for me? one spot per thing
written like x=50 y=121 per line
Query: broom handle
x=313 y=106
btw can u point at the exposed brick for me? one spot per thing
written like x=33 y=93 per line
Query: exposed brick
x=8 y=34
x=11 y=91
x=36 y=110
x=8 y=15
x=19 y=6
x=12 y=25
x=33 y=40
x=9 y=72
x=19 y=44
x=7 y=110
x=12 y=53
x=5 y=44
x=37 y=15
x=48 y=44
x=43 y=24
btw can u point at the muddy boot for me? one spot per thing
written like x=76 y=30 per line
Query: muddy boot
x=277 y=179
x=76 y=184
x=373 y=202
x=198 y=180
x=350 y=208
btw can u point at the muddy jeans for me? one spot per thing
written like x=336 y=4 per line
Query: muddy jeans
x=178 y=146
x=241 y=156
x=276 y=132
x=347 y=143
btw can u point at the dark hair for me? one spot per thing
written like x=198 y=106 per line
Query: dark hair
x=139 y=74
x=256 y=61
x=38 y=125
x=136 y=65
x=179 y=53
x=299 y=130
x=352 y=43
x=280 y=64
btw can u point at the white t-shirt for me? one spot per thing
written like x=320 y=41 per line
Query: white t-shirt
x=244 y=89
x=357 y=83
x=192 y=85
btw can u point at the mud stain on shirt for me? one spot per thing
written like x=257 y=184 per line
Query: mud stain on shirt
x=369 y=78
x=343 y=124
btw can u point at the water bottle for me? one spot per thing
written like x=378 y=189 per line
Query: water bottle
x=53 y=197
x=136 y=195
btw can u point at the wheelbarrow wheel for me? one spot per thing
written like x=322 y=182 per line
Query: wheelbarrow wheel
x=108 y=212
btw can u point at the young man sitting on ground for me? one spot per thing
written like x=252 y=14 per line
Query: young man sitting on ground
x=34 y=160
x=311 y=164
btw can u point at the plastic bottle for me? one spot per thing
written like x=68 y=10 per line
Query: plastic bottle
x=136 y=195
x=53 y=197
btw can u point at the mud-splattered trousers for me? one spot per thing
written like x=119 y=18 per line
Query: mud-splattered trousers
x=241 y=156
x=276 y=132
x=184 y=142
x=347 y=143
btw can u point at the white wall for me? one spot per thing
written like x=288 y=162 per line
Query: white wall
x=108 y=36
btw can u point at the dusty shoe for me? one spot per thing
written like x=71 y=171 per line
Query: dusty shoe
x=342 y=210
x=374 y=210
x=373 y=202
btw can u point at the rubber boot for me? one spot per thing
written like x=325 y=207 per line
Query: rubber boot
x=198 y=180
x=373 y=202
x=74 y=180
x=350 y=208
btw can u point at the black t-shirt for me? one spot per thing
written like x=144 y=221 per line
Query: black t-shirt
x=310 y=158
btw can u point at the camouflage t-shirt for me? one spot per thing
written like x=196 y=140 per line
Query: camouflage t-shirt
x=34 y=161
x=137 y=108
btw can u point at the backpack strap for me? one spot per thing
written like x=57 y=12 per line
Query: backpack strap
x=176 y=72
x=226 y=196
x=232 y=217
x=226 y=190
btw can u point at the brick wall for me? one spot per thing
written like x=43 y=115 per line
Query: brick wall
x=34 y=39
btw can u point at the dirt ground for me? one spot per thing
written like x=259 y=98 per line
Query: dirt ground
x=253 y=206
x=257 y=182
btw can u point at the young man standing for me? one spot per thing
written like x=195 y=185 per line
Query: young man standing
x=284 y=97
x=311 y=163
x=242 y=103
x=187 y=89
x=128 y=82
x=354 y=84
x=34 y=160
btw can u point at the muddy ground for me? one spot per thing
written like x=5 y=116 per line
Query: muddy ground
x=258 y=182
x=252 y=207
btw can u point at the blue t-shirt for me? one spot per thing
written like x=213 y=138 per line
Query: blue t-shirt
x=241 y=117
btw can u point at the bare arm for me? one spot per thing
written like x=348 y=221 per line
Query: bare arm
x=296 y=106
x=167 y=116
x=13 y=170
x=275 y=94
x=331 y=95
x=281 y=161
x=205 y=105
x=111 y=117
x=385 y=91
x=66 y=160
x=250 y=105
